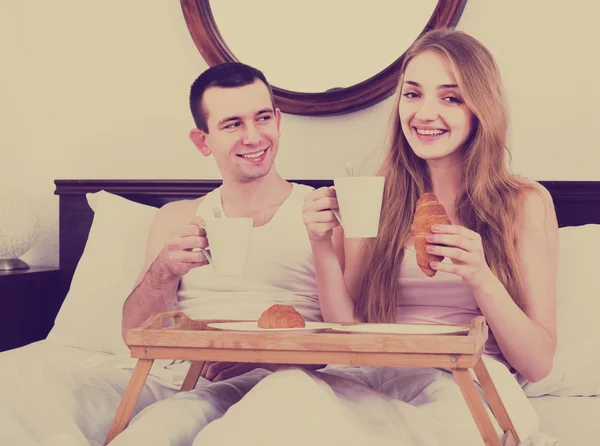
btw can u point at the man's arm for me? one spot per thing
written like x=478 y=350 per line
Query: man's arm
x=155 y=293
x=168 y=257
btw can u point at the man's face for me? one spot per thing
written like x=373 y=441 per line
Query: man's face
x=243 y=130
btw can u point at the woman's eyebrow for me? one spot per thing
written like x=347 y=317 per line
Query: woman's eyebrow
x=439 y=87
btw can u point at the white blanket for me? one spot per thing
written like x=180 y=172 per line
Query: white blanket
x=52 y=395
x=46 y=397
x=398 y=406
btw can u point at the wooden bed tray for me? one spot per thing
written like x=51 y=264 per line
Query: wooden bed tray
x=173 y=335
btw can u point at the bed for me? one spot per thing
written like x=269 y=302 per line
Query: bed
x=103 y=224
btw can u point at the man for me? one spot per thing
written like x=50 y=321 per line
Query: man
x=236 y=122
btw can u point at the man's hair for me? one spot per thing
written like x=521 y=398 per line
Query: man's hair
x=225 y=75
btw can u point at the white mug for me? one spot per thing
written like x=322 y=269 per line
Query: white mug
x=359 y=200
x=229 y=240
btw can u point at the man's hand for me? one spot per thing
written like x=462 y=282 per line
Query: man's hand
x=220 y=371
x=181 y=252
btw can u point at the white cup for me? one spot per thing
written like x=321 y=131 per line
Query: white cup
x=229 y=240
x=359 y=200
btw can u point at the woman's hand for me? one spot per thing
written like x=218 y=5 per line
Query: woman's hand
x=465 y=249
x=317 y=213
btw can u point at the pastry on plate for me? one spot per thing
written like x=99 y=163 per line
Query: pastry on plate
x=281 y=316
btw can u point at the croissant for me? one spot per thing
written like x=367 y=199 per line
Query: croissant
x=281 y=316
x=429 y=212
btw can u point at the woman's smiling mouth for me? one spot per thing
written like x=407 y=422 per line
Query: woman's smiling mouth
x=429 y=133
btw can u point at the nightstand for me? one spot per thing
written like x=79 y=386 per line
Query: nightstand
x=29 y=302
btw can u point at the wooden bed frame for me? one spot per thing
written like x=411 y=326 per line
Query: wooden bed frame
x=576 y=202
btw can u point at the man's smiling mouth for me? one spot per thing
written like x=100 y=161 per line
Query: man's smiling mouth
x=254 y=156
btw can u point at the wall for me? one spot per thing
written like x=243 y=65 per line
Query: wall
x=99 y=90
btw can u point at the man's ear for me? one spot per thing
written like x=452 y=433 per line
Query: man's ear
x=278 y=117
x=198 y=137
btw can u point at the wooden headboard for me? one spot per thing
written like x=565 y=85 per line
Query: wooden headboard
x=576 y=202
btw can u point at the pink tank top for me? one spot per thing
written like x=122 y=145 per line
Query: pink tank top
x=441 y=299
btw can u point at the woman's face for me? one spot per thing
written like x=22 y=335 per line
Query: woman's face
x=434 y=118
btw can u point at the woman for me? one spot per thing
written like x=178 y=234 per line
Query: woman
x=447 y=136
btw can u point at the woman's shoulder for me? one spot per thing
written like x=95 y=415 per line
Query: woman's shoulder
x=535 y=204
x=533 y=195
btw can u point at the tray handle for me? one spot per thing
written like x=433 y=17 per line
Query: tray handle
x=479 y=328
x=178 y=320
x=159 y=320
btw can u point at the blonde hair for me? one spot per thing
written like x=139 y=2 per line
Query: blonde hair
x=489 y=195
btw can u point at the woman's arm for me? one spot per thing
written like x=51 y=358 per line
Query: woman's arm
x=338 y=272
x=329 y=256
x=527 y=336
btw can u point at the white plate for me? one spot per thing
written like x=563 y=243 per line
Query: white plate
x=403 y=329
x=253 y=326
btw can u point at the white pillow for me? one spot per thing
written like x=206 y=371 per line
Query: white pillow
x=576 y=370
x=90 y=317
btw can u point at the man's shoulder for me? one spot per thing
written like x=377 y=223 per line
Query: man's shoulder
x=300 y=185
x=178 y=211
x=301 y=188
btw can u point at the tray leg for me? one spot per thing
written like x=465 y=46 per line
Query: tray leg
x=509 y=439
x=495 y=402
x=191 y=379
x=474 y=401
x=132 y=393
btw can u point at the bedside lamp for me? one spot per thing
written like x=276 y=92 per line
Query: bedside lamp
x=19 y=228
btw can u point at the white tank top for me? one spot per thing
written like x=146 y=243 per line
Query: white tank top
x=279 y=269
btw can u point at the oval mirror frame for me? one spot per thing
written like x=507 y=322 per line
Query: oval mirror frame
x=214 y=50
